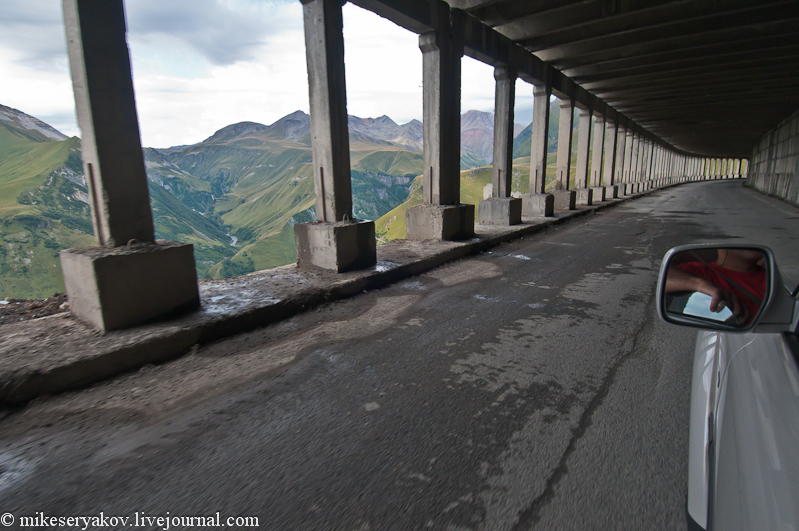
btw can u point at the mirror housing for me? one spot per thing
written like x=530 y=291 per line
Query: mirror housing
x=730 y=288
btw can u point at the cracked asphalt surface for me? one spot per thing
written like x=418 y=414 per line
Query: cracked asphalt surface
x=531 y=387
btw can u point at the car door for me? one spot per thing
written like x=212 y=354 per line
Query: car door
x=756 y=433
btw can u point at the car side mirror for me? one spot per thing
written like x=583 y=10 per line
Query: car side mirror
x=728 y=288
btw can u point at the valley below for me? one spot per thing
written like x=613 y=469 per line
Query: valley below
x=235 y=196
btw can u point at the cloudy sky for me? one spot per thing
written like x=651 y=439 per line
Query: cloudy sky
x=200 y=65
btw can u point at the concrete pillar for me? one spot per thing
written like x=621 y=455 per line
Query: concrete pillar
x=610 y=160
x=657 y=171
x=621 y=141
x=681 y=167
x=585 y=195
x=330 y=147
x=441 y=216
x=646 y=163
x=335 y=241
x=564 y=196
x=653 y=157
x=635 y=158
x=653 y=161
x=128 y=278
x=628 y=156
x=106 y=108
x=501 y=208
x=654 y=171
x=668 y=164
x=596 y=160
x=538 y=202
x=670 y=172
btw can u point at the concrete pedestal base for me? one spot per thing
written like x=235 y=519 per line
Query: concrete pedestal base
x=537 y=205
x=585 y=196
x=565 y=199
x=439 y=222
x=112 y=288
x=500 y=211
x=340 y=246
x=612 y=191
x=599 y=193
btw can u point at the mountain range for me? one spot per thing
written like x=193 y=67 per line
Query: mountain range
x=235 y=195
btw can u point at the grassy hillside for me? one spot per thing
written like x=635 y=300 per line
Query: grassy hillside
x=260 y=182
x=473 y=183
x=42 y=210
x=235 y=197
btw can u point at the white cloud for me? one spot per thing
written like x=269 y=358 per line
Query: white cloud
x=383 y=67
x=188 y=104
x=200 y=65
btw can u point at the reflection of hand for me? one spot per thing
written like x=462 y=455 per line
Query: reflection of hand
x=721 y=298
x=681 y=280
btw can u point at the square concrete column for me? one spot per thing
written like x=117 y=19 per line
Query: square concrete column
x=655 y=170
x=538 y=202
x=635 y=157
x=501 y=208
x=656 y=157
x=610 y=159
x=564 y=196
x=656 y=163
x=128 y=278
x=621 y=136
x=581 y=177
x=111 y=147
x=628 y=155
x=335 y=240
x=441 y=216
x=596 y=161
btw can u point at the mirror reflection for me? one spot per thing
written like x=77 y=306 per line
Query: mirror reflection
x=722 y=285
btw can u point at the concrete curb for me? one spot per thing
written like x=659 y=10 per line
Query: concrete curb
x=56 y=354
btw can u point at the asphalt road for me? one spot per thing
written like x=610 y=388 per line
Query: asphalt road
x=532 y=387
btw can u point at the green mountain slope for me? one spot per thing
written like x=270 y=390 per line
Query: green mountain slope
x=260 y=182
x=43 y=209
x=236 y=196
x=392 y=225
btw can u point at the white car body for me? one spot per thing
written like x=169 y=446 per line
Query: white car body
x=743 y=455
x=744 y=432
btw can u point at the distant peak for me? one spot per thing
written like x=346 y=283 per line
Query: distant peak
x=296 y=115
x=235 y=131
x=385 y=119
x=472 y=112
x=29 y=123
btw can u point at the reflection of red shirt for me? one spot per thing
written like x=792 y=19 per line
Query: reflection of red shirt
x=754 y=283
